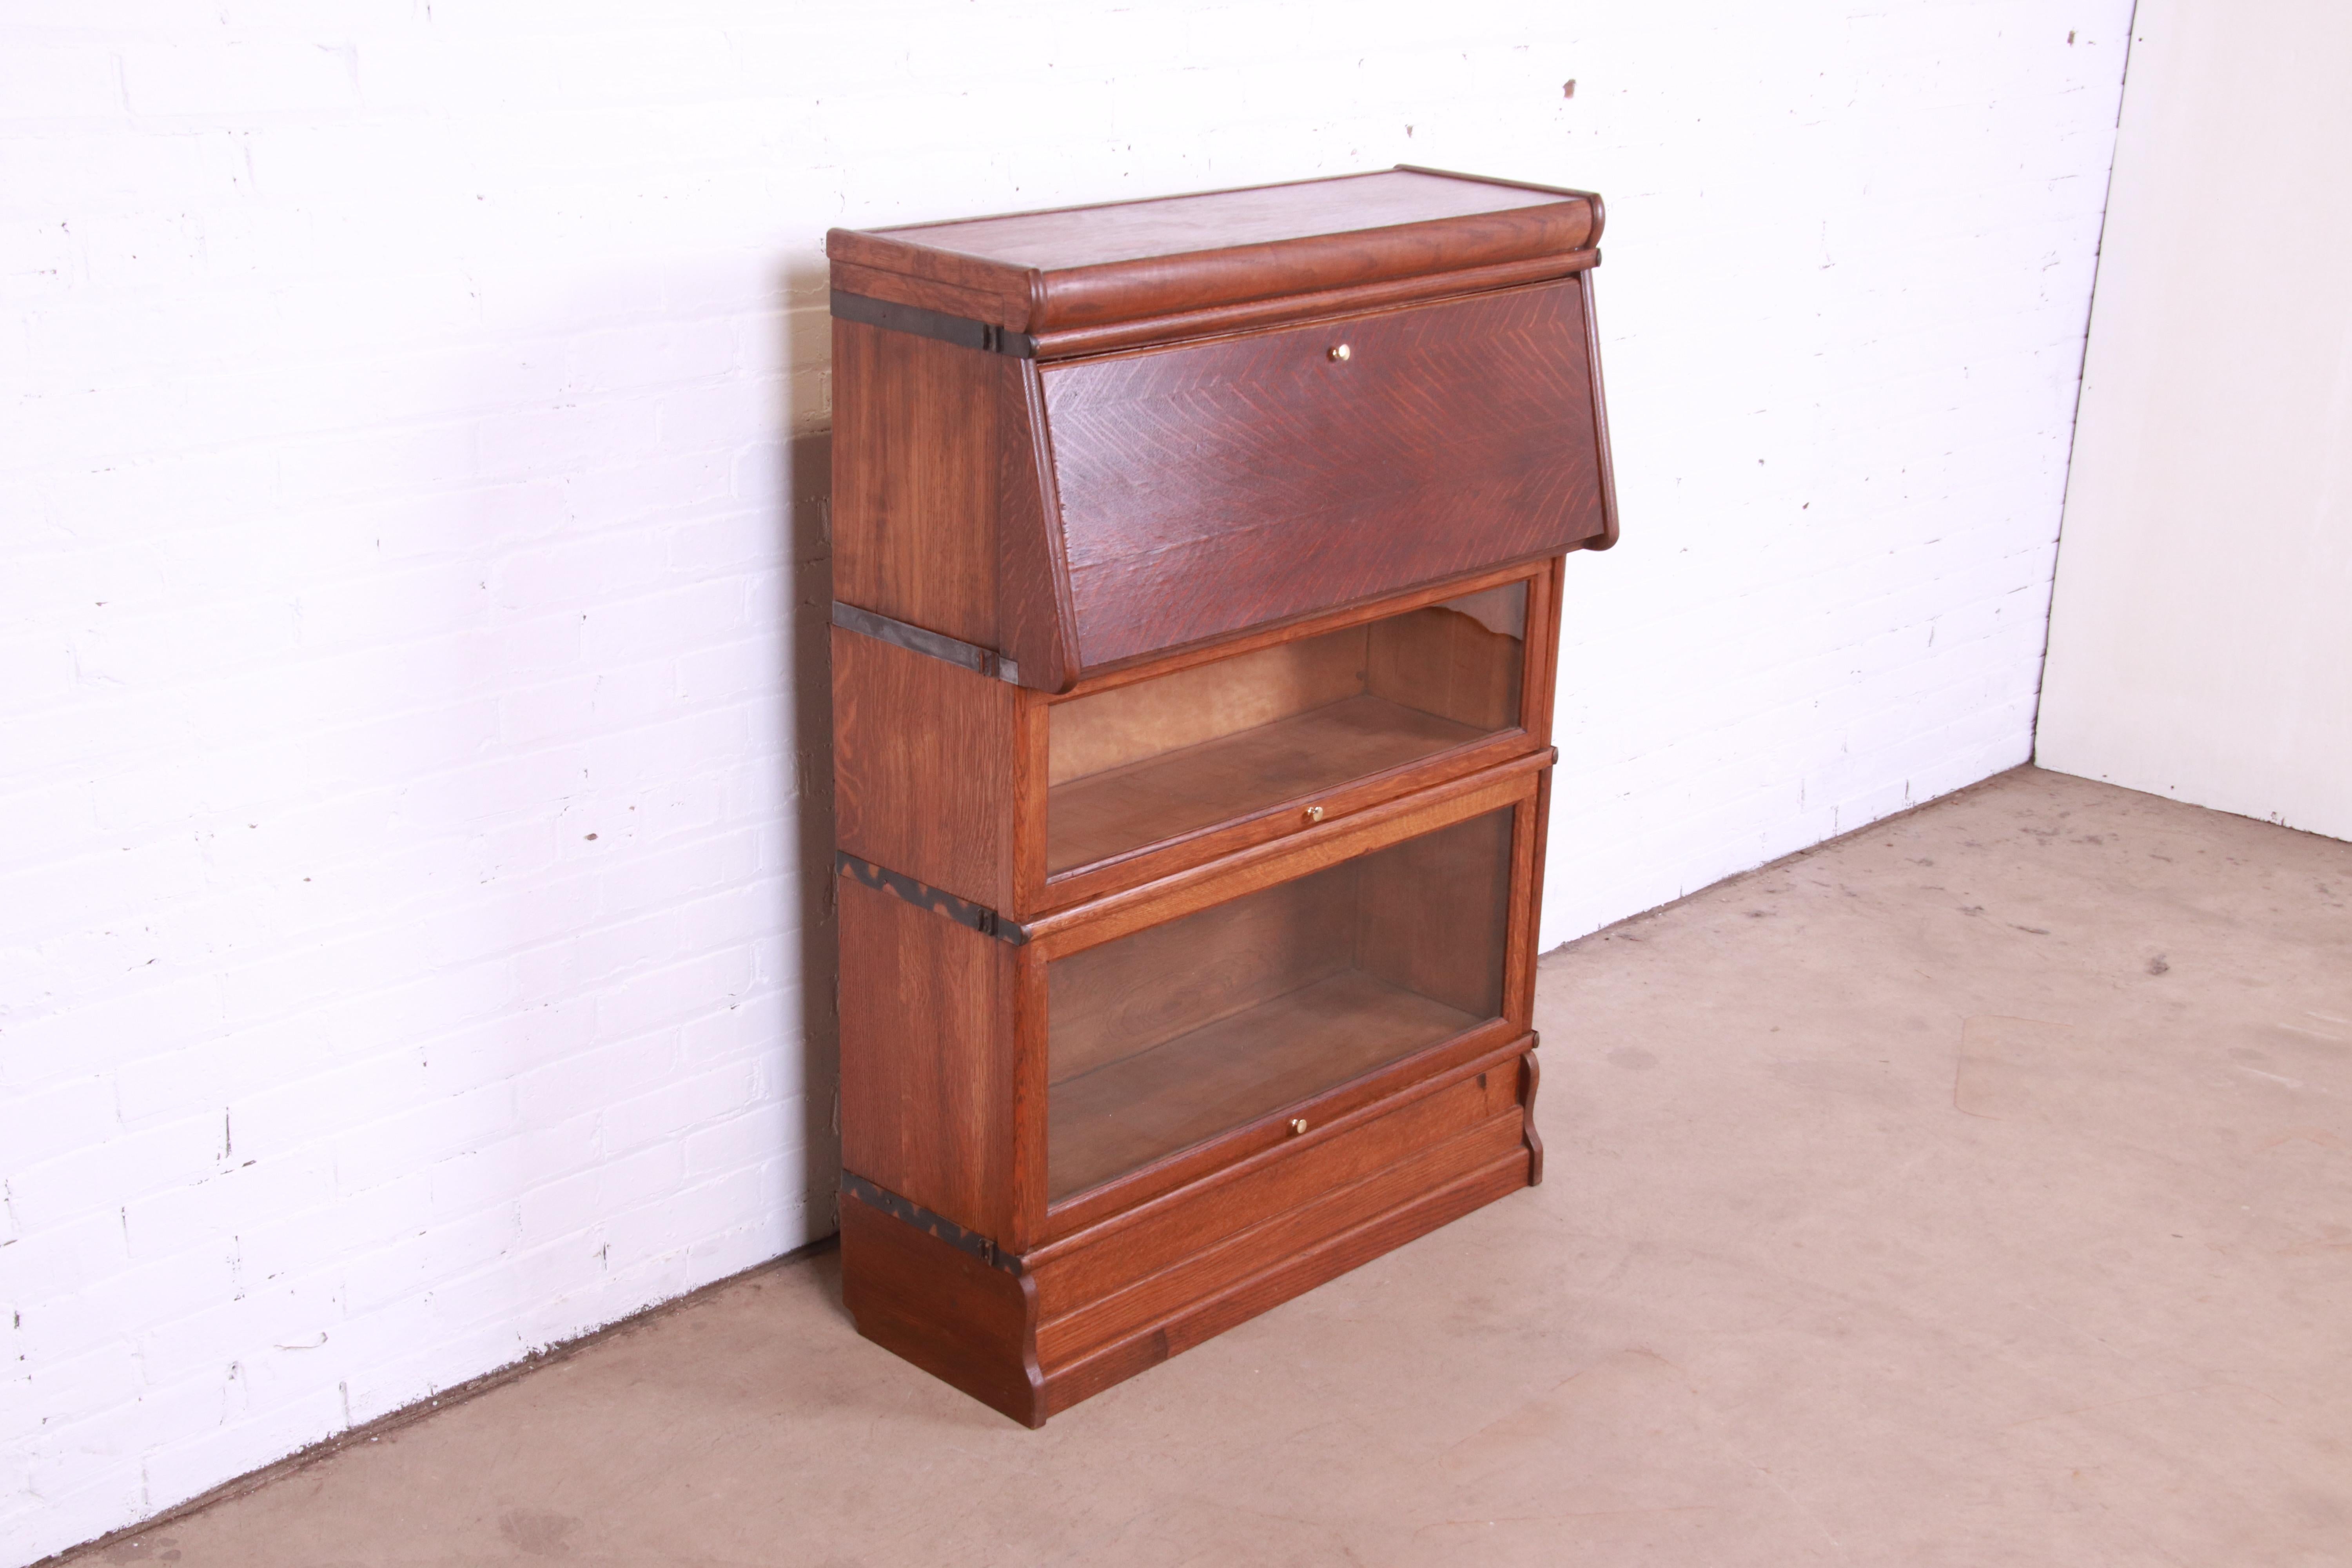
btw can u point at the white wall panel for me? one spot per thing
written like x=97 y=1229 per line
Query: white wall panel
x=2200 y=639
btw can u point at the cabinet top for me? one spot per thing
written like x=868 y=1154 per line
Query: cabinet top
x=1078 y=268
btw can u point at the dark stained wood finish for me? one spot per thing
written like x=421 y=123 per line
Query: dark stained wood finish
x=1208 y=1267
x=1153 y=665
x=1530 y=1075
x=1193 y=705
x=1434 y=913
x=1170 y=980
x=1141 y=763
x=1448 y=663
x=1082 y=266
x=1334 y=1109
x=1532 y=834
x=1080 y=1313
x=1208 y=489
x=1040 y=894
x=964 y=1322
x=927 y=1058
x=1607 y=535
x=1166 y=1037
x=1128 y=808
x=901 y=289
x=915 y=480
x=1036 y=623
x=1294 y=1272
x=1543 y=654
x=1032 y=787
x=923 y=767
x=1223 y=321
x=1138 y=1241
x=1266 y=1013
x=1339 y=804
x=1309 y=850
x=1229 y=1072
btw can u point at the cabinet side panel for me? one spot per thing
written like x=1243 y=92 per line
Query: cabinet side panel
x=1035 y=620
x=926 y=1057
x=1443 y=662
x=923 y=764
x=963 y=1322
x=915 y=481
x=1206 y=702
x=1435 y=912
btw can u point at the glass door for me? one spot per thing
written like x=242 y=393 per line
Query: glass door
x=1141 y=763
x=1166 y=1037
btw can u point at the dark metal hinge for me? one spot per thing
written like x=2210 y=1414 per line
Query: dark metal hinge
x=923 y=896
x=972 y=1241
x=923 y=640
x=961 y=330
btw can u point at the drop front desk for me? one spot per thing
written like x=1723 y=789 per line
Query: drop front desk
x=1197 y=568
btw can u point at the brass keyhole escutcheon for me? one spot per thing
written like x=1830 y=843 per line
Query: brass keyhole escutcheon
x=1340 y=353
x=1298 y=1124
x=1314 y=813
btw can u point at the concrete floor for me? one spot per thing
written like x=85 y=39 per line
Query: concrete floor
x=1976 y=1190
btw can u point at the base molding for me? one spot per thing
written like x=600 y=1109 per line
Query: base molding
x=1032 y=1338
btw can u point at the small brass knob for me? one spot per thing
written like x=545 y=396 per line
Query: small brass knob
x=1314 y=813
x=1339 y=352
x=1298 y=1124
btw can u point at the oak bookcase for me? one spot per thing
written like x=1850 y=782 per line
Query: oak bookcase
x=1197 y=567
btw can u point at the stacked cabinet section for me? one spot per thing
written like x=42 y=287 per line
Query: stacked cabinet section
x=1191 y=790
x=1164 y=1039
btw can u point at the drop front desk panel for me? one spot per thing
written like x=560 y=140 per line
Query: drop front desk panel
x=1197 y=567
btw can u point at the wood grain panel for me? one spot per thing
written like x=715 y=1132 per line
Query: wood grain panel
x=1155 y=665
x=1446 y=663
x=1065 y=932
x=915 y=480
x=1203 y=1271
x=923 y=763
x=1433 y=912
x=926 y=1068
x=1530 y=1078
x=1163 y=228
x=1127 y=996
x=1189 y=1176
x=1086 y=265
x=1534 y=825
x=1198 y=1321
x=1130 y=723
x=1035 y=620
x=1219 y=321
x=1128 y=1113
x=968 y=1324
x=1212 y=489
x=1157 y=518
x=1220 y=780
x=1120 y=1255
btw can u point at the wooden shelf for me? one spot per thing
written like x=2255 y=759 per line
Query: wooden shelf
x=1123 y=808
x=1130 y=1112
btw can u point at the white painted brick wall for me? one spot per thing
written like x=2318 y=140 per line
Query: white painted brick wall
x=408 y=570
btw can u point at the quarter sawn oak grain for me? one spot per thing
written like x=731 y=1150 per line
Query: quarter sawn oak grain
x=1203 y=968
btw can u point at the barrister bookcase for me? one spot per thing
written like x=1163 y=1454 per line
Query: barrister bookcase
x=1197 y=568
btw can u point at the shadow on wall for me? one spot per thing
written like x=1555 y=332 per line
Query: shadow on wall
x=805 y=491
